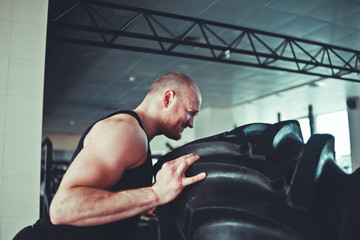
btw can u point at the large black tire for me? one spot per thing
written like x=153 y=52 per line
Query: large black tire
x=263 y=182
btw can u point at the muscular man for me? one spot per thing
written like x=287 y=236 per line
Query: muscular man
x=108 y=184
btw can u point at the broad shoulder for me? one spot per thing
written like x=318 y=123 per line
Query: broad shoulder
x=112 y=146
x=119 y=136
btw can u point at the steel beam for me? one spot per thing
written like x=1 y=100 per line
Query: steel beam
x=207 y=40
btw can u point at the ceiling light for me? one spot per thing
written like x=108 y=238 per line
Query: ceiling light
x=316 y=84
x=132 y=79
x=227 y=54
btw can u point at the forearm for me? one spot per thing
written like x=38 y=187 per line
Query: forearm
x=89 y=206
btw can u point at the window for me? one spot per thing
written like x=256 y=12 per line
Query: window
x=337 y=125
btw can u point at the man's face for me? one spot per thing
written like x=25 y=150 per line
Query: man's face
x=183 y=112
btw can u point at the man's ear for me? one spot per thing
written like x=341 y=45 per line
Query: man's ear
x=167 y=98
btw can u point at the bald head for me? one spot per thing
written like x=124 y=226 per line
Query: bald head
x=174 y=80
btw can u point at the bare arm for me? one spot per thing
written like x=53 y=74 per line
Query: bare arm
x=83 y=198
x=92 y=206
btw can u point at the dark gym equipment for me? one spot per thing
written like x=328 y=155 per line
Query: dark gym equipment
x=52 y=172
x=264 y=182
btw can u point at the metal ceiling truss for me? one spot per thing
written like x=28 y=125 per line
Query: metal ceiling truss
x=169 y=34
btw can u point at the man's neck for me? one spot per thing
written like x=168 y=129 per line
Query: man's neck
x=148 y=122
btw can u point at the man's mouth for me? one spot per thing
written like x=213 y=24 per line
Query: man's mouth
x=183 y=126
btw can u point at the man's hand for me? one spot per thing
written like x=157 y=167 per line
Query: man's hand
x=171 y=180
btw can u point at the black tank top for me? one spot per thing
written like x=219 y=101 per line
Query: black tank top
x=132 y=178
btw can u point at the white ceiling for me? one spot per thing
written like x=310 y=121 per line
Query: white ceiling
x=84 y=83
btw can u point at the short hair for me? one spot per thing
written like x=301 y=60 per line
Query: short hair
x=174 y=80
